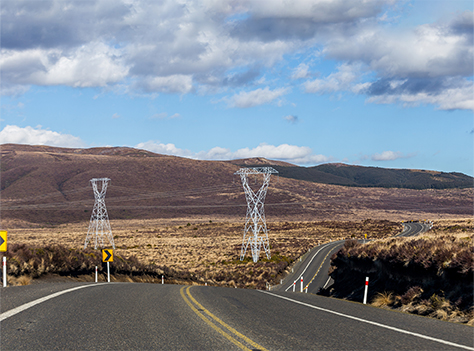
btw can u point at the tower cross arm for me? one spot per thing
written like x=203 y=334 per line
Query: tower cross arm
x=257 y=170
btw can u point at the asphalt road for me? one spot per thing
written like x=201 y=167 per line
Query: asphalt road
x=128 y=316
x=314 y=265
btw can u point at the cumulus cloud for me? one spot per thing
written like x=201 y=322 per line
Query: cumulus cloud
x=437 y=71
x=255 y=97
x=182 y=47
x=164 y=149
x=38 y=136
x=284 y=152
x=389 y=156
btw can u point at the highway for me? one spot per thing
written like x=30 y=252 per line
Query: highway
x=314 y=265
x=128 y=316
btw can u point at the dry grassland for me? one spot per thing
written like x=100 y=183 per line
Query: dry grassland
x=207 y=251
x=431 y=274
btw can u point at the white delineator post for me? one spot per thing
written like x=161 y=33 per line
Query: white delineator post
x=162 y=279
x=294 y=285
x=4 y=272
x=301 y=289
x=108 y=272
x=96 y=274
x=366 y=289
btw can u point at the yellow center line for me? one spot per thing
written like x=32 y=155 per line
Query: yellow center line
x=228 y=327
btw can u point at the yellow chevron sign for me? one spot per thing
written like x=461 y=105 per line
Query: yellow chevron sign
x=107 y=255
x=3 y=240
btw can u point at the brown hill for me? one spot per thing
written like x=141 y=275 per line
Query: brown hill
x=42 y=184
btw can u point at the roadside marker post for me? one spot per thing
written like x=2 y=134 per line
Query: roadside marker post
x=96 y=274
x=366 y=289
x=108 y=272
x=4 y=271
x=294 y=285
x=301 y=288
x=162 y=279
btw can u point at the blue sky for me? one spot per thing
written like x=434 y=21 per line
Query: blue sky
x=381 y=83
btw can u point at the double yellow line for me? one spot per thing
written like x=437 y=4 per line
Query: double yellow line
x=218 y=325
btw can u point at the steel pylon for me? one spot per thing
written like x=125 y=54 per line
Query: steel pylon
x=255 y=232
x=99 y=226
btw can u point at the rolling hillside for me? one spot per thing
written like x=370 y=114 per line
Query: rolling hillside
x=44 y=184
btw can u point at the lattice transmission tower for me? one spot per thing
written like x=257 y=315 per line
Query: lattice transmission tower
x=255 y=232
x=99 y=226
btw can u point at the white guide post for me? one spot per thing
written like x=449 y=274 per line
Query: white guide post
x=108 y=272
x=96 y=274
x=301 y=290
x=4 y=272
x=366 y=289
x=99 y=226
x=294 y=285
x=255 y=232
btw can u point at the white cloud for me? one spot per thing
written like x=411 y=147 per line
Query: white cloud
x=457 y=97
x=195 y=46
x=300 y=72
x=166 y=46
x=177 y=83
x=389 y=156
x=115 y=116
x=165 y=149
x=38 y=136
x=91 y=65
x=291 y=118
x=341 y=80
x=284 y=152
x=255 y=97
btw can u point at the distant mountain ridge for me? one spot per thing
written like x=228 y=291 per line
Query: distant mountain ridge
x=342 y=174
x=361 y=176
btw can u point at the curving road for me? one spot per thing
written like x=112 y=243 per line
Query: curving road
x=127 y=316
x=314 y=265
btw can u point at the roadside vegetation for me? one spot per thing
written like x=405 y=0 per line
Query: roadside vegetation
x=187 y=252
x=431 y=275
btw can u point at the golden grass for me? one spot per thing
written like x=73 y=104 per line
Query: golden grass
x=207 y=249
x=383 y=299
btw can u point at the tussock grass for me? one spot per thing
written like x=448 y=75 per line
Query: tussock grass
x=209 y=254
x=431 y=275
x=383 y=299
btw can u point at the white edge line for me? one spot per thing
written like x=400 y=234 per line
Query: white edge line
x=312 y=258
x=373 y=323
x=324 y=287
x=21 y=308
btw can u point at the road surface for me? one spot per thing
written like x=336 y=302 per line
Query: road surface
x=128 y=316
